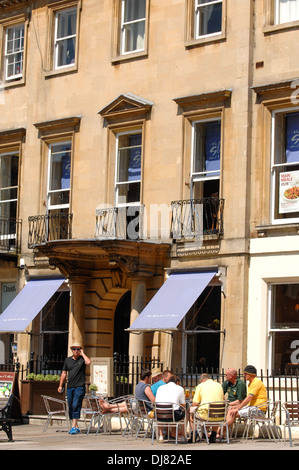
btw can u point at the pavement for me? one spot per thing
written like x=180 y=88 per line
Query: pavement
x=118 y=450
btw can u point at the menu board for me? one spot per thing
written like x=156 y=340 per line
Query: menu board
x=289 y=192
x=102 y=375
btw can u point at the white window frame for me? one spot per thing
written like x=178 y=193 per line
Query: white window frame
x=198 y=7
x=272 y=331
x=57 y=41
x=124 y=24
x=117 y=184
x=15 y=52
x=11 y=236
x=196 y=177
x=277 y=19
x=277 y=165
x=57 y=191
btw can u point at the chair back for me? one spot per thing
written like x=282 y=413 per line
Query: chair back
x=217 y=411
x=54 y=404
x=93 y=404
x=292 y=411
x=164 y=412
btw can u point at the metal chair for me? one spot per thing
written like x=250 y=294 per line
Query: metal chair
x=291 y=409
x=264 y=423
x=164 y=416
x=55 y=407
x=96 y=416
x=216 y=417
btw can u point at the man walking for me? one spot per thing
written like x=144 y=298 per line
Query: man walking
x=74 y=369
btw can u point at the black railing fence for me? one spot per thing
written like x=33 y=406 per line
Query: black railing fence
x=281 y=387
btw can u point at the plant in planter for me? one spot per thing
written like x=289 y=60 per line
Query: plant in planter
x=32 y=390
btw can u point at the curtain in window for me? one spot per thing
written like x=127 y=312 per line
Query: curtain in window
x=134 y=170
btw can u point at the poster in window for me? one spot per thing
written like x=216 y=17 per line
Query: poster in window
x=289 y=192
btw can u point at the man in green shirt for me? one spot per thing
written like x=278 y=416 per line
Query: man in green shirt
x=234 y=387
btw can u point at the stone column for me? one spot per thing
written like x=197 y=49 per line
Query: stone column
x=77 y=314
x=136 y=344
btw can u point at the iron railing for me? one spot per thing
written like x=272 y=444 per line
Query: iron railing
x=119 y=223
x=10 y=234
x=49 y=227
x=196 y=218
x=281 y=387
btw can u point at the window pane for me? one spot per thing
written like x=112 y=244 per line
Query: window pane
x=285 y=351
x=207 y=147
x=128 y=193
x=209 y=18
x=14 y=51
x=66 y=52
x=129 y=159
x=134 y=37
x=60 y=167
x=285 y=306
x=286 y=11
x=65 y=40
x=286 y=172
x=134 y=10
x=66 y=24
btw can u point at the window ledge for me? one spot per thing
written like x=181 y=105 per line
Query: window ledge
x=277 y=28
x=277 y=230
x=13 y=83
x=190 y=43
x=62 y=71
x=127 y=57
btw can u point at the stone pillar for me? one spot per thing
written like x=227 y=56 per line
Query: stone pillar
x=77 y=314
x=136 y=344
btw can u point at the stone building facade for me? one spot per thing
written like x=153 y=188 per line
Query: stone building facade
x=138 y=140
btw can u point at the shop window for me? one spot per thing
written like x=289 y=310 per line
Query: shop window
x=55 y=325
x=201 y=339
x=285 y=167
x=284 y=328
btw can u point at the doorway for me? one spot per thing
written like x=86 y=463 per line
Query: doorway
x=121 y=323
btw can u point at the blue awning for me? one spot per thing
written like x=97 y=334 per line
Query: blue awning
x=172 y=301
x=27 y=304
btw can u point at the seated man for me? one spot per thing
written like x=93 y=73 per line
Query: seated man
x=174 y=394
x=159 y=379
x=234 y=387
x=257 y=394
x=207 y=391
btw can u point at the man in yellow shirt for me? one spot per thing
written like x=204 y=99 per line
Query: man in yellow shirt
x=207 y=391
x=256 y=395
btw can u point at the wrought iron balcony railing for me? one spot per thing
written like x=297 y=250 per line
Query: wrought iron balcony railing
x=197 y=217
x=10 y=235
x=119 y=223
x=49 y=227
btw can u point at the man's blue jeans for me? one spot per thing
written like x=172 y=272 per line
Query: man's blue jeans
x=75 y=397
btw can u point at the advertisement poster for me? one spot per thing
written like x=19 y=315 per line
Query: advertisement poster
x=289 y=192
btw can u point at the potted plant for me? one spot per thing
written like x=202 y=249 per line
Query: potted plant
x=93 y=389
x=32 y=390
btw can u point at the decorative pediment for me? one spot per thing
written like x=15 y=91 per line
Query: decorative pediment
x=126 y=107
